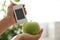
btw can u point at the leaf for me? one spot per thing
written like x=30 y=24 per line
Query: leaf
x=3 y=10
x=4 y=4
x=16 y=0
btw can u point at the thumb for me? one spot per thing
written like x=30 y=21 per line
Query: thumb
x=12 y=4
x=39 y=34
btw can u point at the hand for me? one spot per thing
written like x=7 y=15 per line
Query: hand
x=26 y=36
x=11 y=13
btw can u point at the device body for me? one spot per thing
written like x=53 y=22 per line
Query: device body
x=19 y=14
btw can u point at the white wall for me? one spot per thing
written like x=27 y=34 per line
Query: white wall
x=42 y=10
x=52 y=30
x=57 y=30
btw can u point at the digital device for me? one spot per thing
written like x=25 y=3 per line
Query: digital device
x=19 y=14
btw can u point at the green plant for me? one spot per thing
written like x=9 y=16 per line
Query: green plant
x=3 y=6
x=10 y=32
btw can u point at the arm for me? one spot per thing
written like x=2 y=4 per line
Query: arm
x=5 y=23
x=8 y=20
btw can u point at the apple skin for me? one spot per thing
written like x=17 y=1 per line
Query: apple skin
x=16 y=0
x=31 y=28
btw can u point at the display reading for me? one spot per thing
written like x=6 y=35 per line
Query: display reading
x=19 y=14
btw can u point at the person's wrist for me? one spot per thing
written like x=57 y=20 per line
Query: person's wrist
x=12 y=19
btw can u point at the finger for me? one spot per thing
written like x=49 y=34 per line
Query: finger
x=17 y=37
x=12 y=4
x=41 y=30
x=39 y=34
x=25 y=11
x=23 y=5
x=26 y=36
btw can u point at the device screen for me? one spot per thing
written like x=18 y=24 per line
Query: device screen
x=19 y=14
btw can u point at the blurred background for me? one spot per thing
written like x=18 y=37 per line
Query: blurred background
x=45 y=12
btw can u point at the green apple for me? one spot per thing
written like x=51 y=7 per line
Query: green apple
x=31 y=28
x=16 y=0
